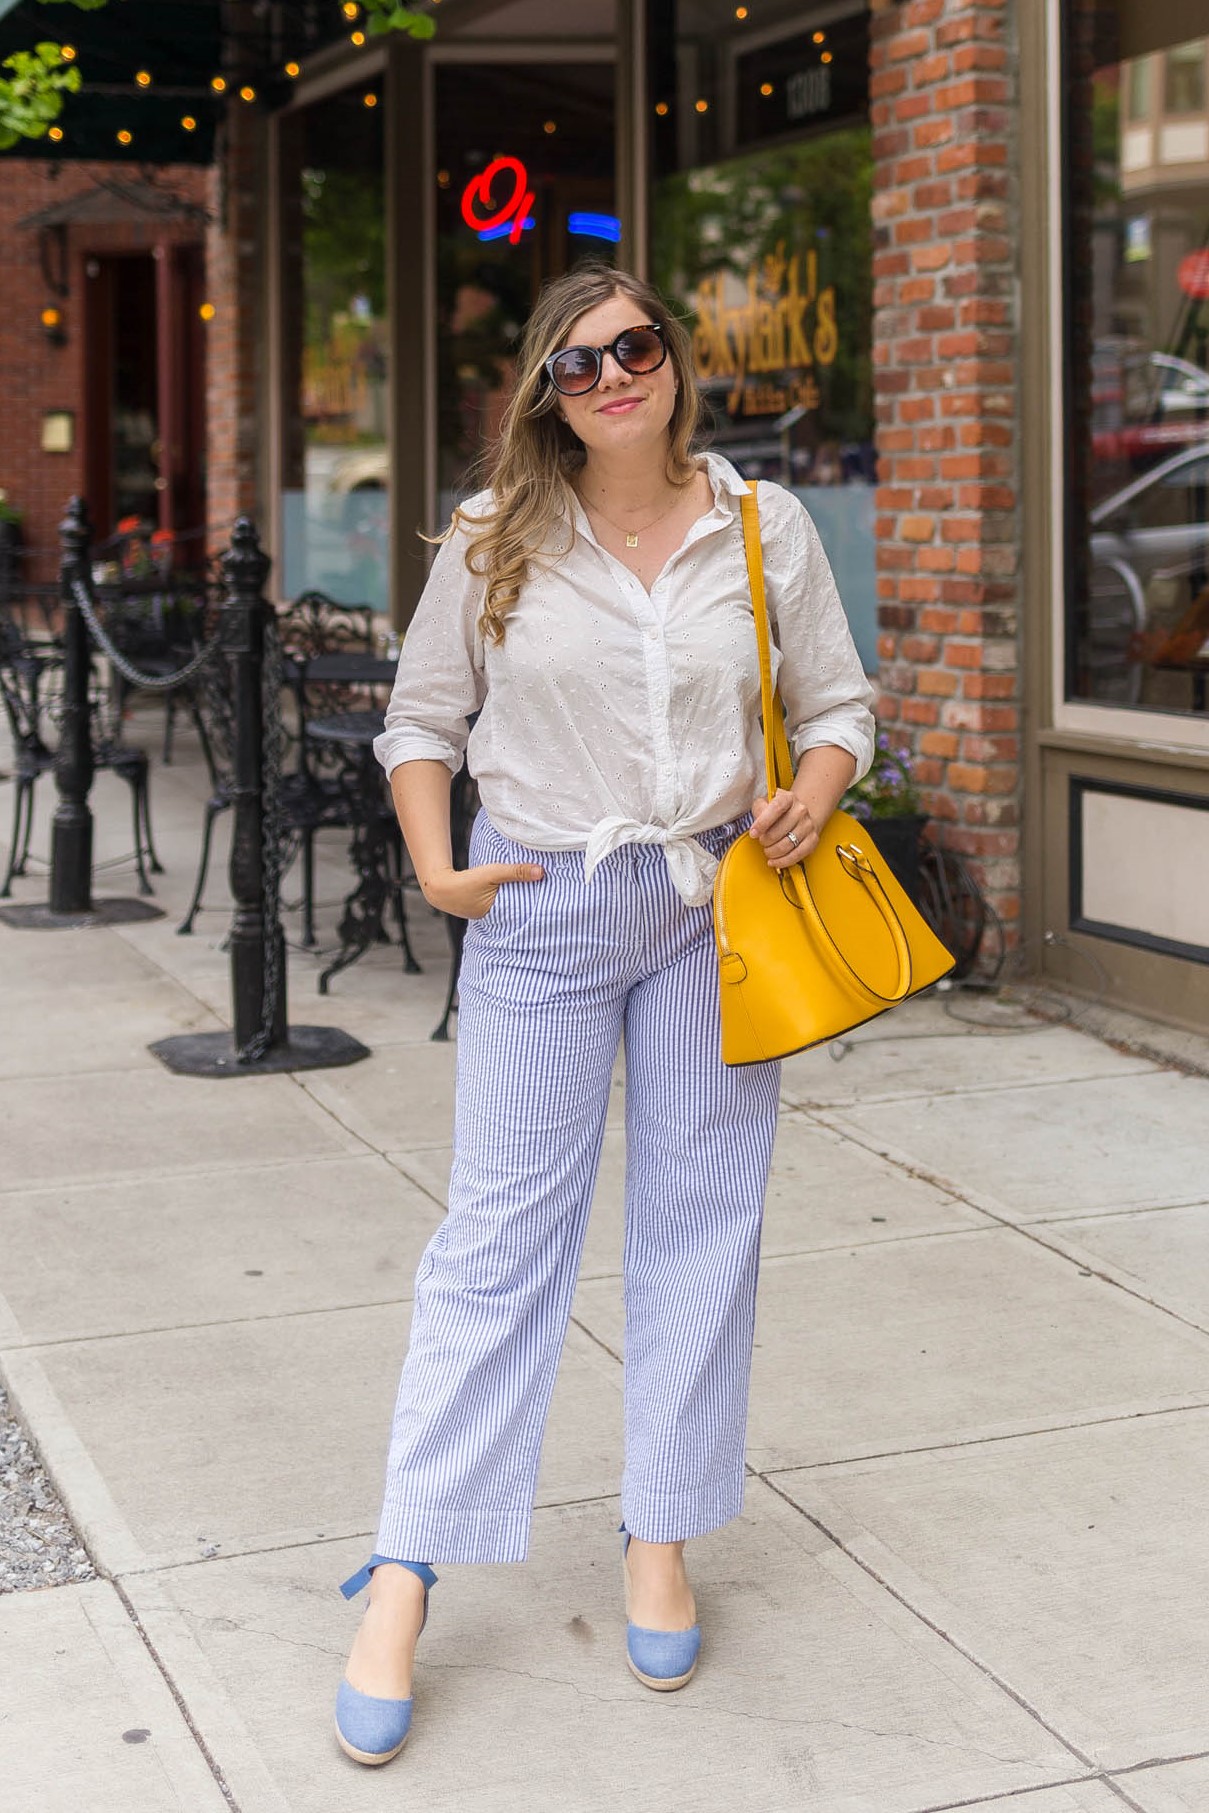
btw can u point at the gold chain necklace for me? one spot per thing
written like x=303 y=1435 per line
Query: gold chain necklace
x=631 y=535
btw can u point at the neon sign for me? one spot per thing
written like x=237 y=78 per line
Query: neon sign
x=595 y=226
x=499 y=220
x=507 y=215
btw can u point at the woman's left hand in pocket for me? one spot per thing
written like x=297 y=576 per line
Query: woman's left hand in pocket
x=784 y=827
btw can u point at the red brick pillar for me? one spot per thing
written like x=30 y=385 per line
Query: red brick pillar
x=945 y=327
x=235 y=352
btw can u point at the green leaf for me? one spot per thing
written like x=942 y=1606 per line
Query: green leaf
x=422 y=25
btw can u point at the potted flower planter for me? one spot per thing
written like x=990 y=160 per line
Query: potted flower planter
x=897 y=838
x=887 y=799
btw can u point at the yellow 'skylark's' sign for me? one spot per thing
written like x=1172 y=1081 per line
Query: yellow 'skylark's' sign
x=782 y=326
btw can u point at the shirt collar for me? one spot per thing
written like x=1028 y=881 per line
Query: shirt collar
x=725 y=483
x=724 y=478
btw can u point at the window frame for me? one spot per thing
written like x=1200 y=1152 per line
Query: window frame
x=1183 y=113
x=1136 y=725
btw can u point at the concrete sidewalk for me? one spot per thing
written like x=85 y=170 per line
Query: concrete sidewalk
x=972 y=1569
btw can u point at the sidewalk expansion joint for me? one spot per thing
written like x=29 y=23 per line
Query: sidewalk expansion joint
x=1024 y=1794
x=168 y=1173
x=1001 y=1220
x=945 y=1092
x=596 y=1340
x=299 y=1080
x=178 y=1697
x=938 y=1630
x=182 y=1328
x=768 y=1474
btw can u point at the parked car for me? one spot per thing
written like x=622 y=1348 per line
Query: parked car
x=1154 y=529
x=1147 y=524
x=1145 y=404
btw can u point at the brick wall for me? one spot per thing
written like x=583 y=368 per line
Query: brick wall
x=945 y=213
x=235 y=245
x=35 y=375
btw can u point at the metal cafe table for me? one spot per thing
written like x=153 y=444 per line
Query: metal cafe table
x=347 y=668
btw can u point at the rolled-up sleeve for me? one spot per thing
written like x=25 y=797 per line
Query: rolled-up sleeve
x=826 y=693
x=439 y=683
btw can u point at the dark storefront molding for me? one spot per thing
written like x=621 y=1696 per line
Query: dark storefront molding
x=1081 y=785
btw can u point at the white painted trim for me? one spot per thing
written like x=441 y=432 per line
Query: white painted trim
x=496 y=50
x=1057 y=362
x=1168 y=732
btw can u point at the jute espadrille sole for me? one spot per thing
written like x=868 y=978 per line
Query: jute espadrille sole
x=367 y=1756
x=658 y=1685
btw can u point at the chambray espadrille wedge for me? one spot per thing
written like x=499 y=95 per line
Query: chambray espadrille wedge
x=368 y=1729
x=662 y=1659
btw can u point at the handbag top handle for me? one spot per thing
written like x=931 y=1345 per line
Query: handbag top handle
x=778 y=762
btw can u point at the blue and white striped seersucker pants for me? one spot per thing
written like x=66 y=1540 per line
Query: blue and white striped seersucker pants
x=552 y=978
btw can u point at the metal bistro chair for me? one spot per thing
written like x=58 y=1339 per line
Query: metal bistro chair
x=158 y=590
x=158 y=627
x=315 y=625
x=30 y=672
x=308 y=802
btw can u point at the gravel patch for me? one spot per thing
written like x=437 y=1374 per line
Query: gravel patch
x=38 y=1546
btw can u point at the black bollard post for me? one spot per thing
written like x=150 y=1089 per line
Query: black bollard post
x=246 y=568
x=71 y=906
x=71 y=835
x=256 y=940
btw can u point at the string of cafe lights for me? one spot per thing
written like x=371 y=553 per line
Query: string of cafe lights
x=220 y=86
x=352 y=11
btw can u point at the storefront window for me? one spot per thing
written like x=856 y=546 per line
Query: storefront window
x=761 y=233
x=1139 y=88
x=524 y=190
x=1137 y=282
x=336 y=470
x=1185 y=89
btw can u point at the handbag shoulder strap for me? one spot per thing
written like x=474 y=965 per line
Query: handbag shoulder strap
x=778 y=762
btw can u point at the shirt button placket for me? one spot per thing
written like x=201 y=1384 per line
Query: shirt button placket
x=660 y=694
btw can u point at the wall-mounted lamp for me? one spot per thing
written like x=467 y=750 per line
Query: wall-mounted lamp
x=52 y=326
x=59 y=431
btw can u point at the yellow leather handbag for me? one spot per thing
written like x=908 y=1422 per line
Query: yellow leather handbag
x=809 y=952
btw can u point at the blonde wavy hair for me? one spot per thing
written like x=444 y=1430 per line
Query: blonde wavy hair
x=531 y=469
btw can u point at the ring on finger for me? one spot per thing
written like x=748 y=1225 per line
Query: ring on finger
x=792 y=838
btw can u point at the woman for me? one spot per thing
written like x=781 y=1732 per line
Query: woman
x=593 y=609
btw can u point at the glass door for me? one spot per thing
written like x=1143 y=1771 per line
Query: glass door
x=524 y=190
x=335 y=523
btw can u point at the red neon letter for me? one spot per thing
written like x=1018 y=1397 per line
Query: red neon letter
x=478 y=193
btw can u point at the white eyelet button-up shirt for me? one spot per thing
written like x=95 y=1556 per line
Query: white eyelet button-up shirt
x=609 y=715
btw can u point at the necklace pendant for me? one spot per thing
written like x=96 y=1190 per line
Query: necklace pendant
x=631 y=541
